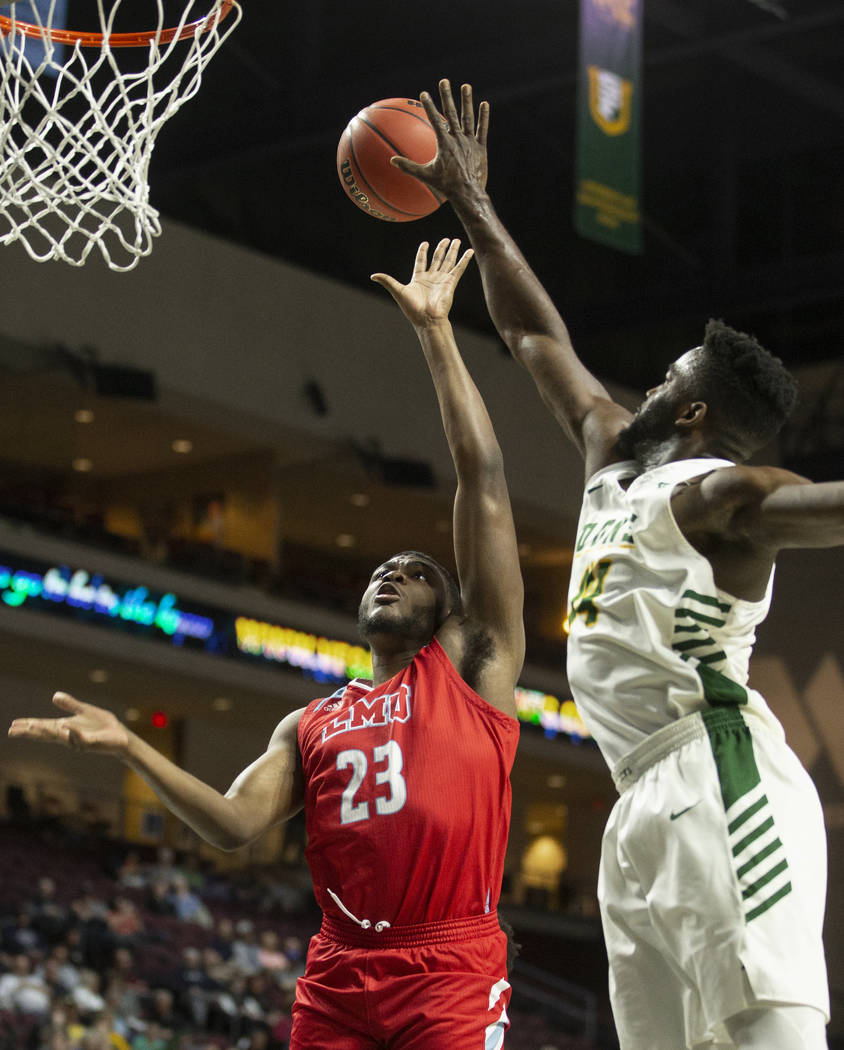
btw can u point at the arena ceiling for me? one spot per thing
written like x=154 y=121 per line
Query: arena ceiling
x=742 y=158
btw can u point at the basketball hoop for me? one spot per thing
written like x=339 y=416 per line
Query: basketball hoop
x=77 y=133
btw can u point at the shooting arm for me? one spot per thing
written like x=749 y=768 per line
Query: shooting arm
x=484 y=535
x=485 y=545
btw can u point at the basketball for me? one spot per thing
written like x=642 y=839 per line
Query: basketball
x=389 y=128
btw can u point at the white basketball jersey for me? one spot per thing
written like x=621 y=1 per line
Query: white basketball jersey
x=651 y=638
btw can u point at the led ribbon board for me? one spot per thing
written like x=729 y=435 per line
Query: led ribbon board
x=79 y=593
x=88 y=596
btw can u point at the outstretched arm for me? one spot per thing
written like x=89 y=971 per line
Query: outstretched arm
x=521 y=309
x=484 y=535
x=268 y=792
x=741 y=517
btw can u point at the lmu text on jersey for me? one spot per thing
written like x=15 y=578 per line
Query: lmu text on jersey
x=372 y=711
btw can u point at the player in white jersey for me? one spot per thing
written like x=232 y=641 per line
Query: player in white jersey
x=712 y=878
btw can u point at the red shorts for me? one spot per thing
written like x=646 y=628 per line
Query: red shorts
x=435 y=986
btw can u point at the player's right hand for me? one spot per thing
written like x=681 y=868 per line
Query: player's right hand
x=460 y=164
x=427 y=298
x=85 y=727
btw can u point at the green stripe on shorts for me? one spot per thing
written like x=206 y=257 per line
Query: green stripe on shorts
x=761 y=868
x=732 y=749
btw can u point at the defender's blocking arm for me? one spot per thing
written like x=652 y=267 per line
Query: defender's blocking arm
x=768 y=508
x=521 y=309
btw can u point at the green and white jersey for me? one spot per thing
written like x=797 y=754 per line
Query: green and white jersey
x=651 y=638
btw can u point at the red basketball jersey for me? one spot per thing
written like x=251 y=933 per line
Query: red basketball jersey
x=407 y=797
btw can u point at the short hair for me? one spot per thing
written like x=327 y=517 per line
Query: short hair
x=452 y=587
x=750 y=391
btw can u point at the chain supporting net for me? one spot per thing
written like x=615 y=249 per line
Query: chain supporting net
x=77 y=132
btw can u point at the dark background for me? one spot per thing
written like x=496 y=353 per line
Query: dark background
x=742 y=144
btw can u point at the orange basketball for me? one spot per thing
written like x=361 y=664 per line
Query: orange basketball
x=389 y=128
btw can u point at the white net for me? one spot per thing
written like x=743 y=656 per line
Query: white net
x=77 y=133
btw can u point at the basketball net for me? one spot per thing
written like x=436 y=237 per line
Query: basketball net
x=77 y=134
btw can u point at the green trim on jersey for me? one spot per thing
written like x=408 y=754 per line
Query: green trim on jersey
x=719 y=690
x=707 y=599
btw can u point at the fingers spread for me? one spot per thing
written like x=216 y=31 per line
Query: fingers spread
x=449 y=109
x=68 y=703
x=439 y=254
x=388 y=282
x=37 y=729
x=483 y=123
x=421 y=262
x=451 y=255
x=467 y=109
x=410 y=167
x=432 y=114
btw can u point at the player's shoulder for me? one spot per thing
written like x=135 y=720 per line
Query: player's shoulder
x=742 y=484
x=287 y=728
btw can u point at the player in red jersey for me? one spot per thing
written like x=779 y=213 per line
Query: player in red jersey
x=405 y=778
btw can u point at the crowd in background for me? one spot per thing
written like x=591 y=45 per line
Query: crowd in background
x=105 y=946
x=149 y=959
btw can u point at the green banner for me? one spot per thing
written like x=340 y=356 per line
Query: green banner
x=608 y=118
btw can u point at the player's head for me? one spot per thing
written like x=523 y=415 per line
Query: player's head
x=730 y=393
x=410 y=595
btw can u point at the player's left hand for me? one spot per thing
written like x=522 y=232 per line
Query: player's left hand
x=427 y=298
x=461 y=160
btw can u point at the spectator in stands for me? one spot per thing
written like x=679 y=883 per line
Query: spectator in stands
x=195 y=986
x=193 y=874
x=23 y=991
x=281 y=1022
x=67 y=973
x=161 y=1009
x=86 y=996
x=187 y=905
x=125 y=994
x=54 y=1035
x=50 y=918
x=97 y=939
x=270 y=955
x=89 y=906
x=132 y=873
x=75 y=945
x=245 y=948
x=165 y=866
x=20 y=935
x=233 y=1010
x=217 y=969
x=124 y=922
x=224 y=935
x=157 y=899
x=154 y=1037
x=102 y=1035
x=49 y=972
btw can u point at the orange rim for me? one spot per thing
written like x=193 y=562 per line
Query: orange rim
x=71 y=36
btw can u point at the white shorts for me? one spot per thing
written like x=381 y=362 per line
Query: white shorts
x=712 y=882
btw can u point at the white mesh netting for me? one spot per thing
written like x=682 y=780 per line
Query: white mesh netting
x=77 y=132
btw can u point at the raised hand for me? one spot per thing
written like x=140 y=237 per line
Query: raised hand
x=427 y=297
x=461 y=160
x=85 y=727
